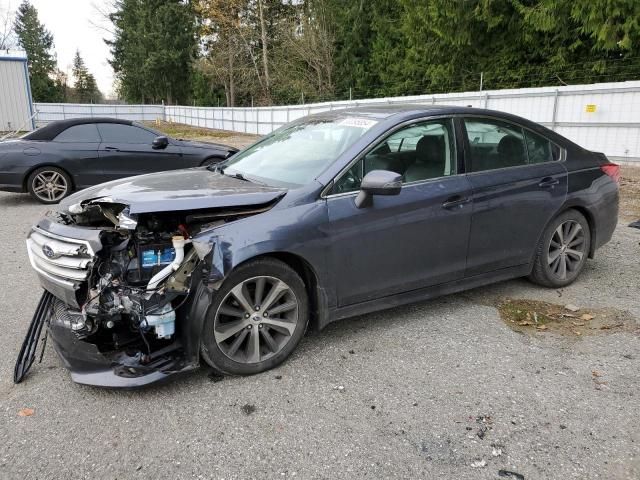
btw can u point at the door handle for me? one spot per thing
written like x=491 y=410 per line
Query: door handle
x=455 y=201
x=112 y=149
x=548 y=182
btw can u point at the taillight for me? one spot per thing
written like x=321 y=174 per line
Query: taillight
x=612 y=170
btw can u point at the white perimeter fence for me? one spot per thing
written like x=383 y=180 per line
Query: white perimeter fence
x=603 y=117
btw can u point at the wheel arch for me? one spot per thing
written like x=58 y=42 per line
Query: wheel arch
x=32 y=169
x=586 y=213
x=317 y=298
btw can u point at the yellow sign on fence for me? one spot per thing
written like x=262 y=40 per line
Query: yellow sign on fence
x=590 y=108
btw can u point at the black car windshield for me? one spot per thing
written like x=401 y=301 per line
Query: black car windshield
x=296 y=154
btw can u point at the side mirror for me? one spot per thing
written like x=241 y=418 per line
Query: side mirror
x=378 y=182
x=159 y=143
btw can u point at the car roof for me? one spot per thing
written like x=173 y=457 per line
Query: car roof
x=53 y=129
x=384 y=111
x=411 y=109
x=398 y=113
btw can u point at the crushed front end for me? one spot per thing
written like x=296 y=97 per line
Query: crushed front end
x=121 y=292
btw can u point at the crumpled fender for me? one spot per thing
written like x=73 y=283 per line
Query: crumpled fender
x=234 y=243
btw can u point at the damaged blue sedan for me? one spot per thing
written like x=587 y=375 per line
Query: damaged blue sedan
x=331 y=216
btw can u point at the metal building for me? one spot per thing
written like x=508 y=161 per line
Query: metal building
x=16 y=105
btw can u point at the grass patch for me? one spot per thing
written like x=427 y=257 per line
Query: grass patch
x=179 y=130
x=630 y=193
x=536 y=317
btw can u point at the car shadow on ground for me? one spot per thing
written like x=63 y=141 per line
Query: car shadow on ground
x=19 y=199
x=340 y=332
x=347 y=331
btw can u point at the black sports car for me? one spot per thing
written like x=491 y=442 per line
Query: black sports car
x=69 y=155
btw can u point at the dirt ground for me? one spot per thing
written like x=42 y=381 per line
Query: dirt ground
x=630 y=193
x=178 y=130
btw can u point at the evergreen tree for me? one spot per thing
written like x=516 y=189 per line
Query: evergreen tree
x=153 y=49
x=37 y=43
x=86 y=89
x=283 y=51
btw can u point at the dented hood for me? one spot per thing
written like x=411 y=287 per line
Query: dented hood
x=188 y=189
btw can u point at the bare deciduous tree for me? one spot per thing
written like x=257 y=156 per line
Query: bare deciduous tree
x=8 y=38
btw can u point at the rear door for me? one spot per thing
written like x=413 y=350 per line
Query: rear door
x=518 y=184
x=127 y=150
x=404 y=242
x=78 y=149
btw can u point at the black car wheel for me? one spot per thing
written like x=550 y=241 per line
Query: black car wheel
x=562 y=251
x=257 y=318
x=49 y=184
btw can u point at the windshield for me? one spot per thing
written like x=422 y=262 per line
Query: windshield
x=296 y=154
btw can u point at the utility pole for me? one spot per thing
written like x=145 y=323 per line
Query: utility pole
x=481 y=79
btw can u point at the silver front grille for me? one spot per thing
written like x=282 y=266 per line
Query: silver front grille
x=65 y=261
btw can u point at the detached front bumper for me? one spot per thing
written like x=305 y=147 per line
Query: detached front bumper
x=114 y=369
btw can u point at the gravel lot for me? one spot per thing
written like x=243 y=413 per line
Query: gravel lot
x=428 y=391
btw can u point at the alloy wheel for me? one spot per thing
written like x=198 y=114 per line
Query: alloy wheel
x=49 y=186
x=256 y=319
x=566 y=249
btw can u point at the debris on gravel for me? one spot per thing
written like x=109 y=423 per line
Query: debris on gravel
x=479 y=464
x=508 y=474
x=533 y=316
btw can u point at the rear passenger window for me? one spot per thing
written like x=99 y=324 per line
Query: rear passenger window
x=84 y=133
x=540 y=149
x=495 y=144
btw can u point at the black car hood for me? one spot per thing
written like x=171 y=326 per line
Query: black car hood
x=207 y=145
x=187 y=189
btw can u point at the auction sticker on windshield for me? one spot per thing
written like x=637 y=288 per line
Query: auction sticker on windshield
x=359 y=122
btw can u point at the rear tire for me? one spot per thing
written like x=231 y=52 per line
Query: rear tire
x=49 y=185
x=257 y=318
x=562 y=251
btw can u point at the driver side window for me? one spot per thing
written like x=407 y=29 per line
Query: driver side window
x=419 y=151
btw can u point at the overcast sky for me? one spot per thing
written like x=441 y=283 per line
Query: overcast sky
x=76 y=24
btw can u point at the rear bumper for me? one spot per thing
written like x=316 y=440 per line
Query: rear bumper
x=115 y=369
x=605 y=218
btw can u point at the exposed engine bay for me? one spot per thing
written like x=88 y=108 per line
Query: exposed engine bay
x=123 y=292
x=138 y=279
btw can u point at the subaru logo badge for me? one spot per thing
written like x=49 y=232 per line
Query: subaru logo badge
x=48 y=251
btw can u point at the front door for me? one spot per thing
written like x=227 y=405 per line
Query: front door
x=126 y=150
x=78 y=147
x=409 y=241
x=518 y=186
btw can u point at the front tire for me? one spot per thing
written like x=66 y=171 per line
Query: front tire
x=562 y=251
x=49 y=184
x=256 y=319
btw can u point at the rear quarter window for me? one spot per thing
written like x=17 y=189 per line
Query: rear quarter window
x=86 y=133
x=540 y=149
